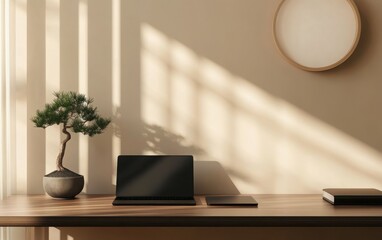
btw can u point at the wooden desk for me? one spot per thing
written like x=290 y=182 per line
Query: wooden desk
x=97 y=210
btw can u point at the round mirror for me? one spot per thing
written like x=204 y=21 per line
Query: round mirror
x=317 y=35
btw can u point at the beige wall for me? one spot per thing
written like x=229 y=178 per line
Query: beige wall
x=200 y=77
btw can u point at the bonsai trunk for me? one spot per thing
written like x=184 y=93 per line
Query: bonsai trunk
x=60 y=156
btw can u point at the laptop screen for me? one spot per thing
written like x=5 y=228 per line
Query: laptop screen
x=155 y=176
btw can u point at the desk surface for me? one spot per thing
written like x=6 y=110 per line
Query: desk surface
x=97 y=210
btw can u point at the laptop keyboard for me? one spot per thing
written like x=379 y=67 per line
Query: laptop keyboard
x=154 y=198
x=154 y=201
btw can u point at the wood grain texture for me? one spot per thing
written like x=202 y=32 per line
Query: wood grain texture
x=97 y=210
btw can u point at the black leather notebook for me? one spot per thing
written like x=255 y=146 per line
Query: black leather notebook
x=234 y=200
x=352 y=196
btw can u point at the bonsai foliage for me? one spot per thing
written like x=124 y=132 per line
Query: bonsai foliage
x=74 y=112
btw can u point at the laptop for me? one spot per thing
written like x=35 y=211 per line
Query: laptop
x=155 y=180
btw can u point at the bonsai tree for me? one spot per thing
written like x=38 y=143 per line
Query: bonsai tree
x=73 y=111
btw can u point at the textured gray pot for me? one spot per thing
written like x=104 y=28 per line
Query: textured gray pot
x=63 y=187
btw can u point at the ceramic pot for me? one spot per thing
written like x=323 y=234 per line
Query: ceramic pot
x=63 y=187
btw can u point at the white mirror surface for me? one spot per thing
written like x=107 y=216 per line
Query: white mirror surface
x=317 y=35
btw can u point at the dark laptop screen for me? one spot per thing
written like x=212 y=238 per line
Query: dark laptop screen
x=155 y=176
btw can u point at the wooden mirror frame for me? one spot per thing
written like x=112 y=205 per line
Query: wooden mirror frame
x=340 y=60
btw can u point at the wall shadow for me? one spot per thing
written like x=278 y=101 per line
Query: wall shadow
x=158 y=140
x=69 y=67
x=35 y=96
x=100 y=162
x=155 y=139
x=130 y=110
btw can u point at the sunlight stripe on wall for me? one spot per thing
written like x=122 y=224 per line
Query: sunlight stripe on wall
x=52 y=74
x=83 y=81
x=116 y=79
x=19 y=180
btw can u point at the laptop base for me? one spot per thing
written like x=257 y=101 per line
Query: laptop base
x=123 y=201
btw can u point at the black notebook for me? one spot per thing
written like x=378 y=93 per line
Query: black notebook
x=353 y=196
